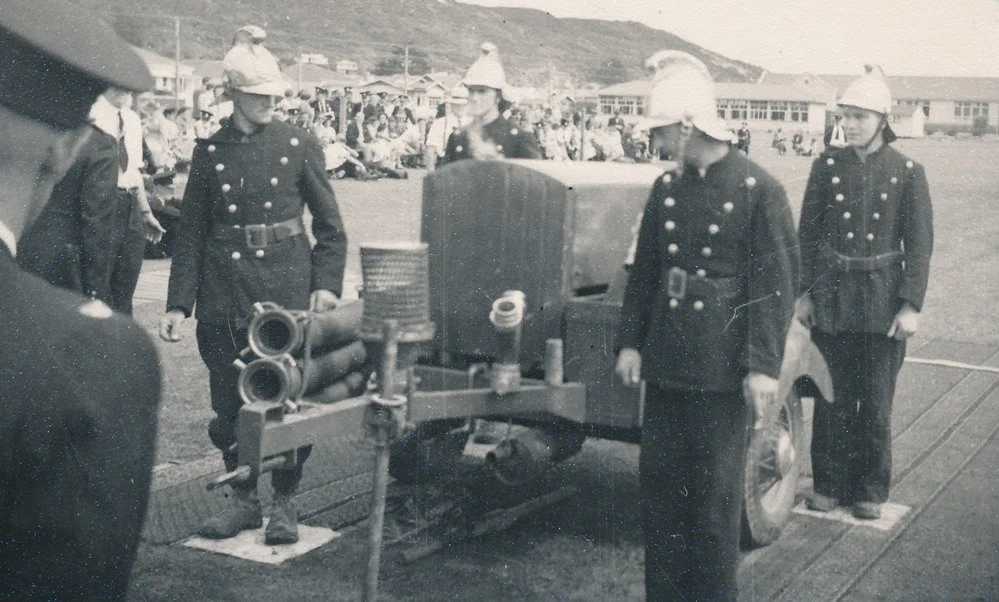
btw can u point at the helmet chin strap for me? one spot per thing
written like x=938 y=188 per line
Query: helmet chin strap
x=877 y=134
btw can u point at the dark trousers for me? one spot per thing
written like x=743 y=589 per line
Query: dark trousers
x=851 y=434
x=128 y=242
x=220 y=342
x=691 y=470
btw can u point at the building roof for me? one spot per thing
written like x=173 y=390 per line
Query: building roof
x=726 y=90
x=914 y=87
x=161 y=66
x=206 y=69
x=319 y=76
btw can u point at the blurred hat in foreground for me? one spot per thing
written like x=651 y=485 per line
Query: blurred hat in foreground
x=56 y=58
x=682 y=92
x=257 y=34
x=253 y=70
x=486 y=71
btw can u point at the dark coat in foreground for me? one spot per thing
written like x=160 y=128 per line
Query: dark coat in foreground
x=732 y=233
x=80 y=393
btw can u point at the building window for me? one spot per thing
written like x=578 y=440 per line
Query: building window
x=967 y=111
x=606 y=105
x=738 y=108
x=799 y=111
x=723 y=109
x=778 y=110
x=626 y=106
x=758 y=109
x=640 y=106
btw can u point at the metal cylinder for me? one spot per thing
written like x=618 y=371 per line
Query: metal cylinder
x=396 y=287
x=275 y=331
x=270 y=380
x=528 y=455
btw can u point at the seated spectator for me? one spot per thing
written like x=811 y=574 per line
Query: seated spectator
x=342 y=160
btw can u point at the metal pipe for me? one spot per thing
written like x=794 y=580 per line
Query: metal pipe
x=376 y=516
x=507 y=316
x=275 y=331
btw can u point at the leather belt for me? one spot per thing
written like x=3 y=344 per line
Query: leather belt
x=679 y=282
x=847 y=263
x=257 y=236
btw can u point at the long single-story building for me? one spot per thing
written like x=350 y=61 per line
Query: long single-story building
x=806 y=101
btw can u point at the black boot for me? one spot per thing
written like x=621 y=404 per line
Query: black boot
x=242 y=513
x=283 y=525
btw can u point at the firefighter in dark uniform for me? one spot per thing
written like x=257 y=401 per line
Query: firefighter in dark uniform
x=866 y=237
x=488 y=135
x=706 y=311
x=241 y=240
x=79 y=386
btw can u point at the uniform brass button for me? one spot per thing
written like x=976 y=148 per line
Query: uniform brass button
x=459 y=148
x=839 y=198
x=835 y=180
x=219 y=167
x=226 y=187
x=672 y=248
x=849 y=235
x=884 y=196
x=667 y=178
x=259 y=253
x=232 y=209
x=830 y=161
x=908 y=164
x=236 y=255
x=274 y=181
x=846 y=215
x=499 y=148
x=268 y=205
x=876 y=216
x=669 y=202
x=211 y=148
x=702 y=274
x=870 y=237
x=894 y=180
x=728 y=207
x=284 y=160
x=750 y=181
x=706 y=251
x=670 y=225
x=294 y=141
x=713 y=229
x=698 y=305
x=673 y=303
x=514 y=131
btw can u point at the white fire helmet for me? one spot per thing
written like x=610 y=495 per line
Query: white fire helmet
x=253 y=70
x=487 y=70
x=682 y=92
x=257 y=34
x=870 y=91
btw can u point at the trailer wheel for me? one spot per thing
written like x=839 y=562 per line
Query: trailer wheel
x=773 y=463
x=427 y=451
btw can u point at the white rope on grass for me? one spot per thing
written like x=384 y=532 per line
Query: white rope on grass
x=952 y=364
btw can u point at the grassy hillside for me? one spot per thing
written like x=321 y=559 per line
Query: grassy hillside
x=534 y=45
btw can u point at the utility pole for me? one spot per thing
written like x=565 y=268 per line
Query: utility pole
x=176 y=62
x=299 y=67
x=405 y=71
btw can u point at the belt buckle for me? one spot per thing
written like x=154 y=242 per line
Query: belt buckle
x=256 y=236
x=676 y=283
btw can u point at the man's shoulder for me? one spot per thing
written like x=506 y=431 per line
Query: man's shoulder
x=898 y=160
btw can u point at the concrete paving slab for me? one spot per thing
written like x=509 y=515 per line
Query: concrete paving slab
x=891 y=514
x=249 y=545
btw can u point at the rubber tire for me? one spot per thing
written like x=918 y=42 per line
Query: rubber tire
x=764 y=516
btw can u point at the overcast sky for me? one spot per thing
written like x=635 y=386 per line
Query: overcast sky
x=907 y=37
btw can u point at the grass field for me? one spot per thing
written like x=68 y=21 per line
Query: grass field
x=962 y=301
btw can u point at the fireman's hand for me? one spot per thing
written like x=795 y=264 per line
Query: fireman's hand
x=905 y=324
x=323 y=300
x=760 y=392
x=154 y=230
x=804 y=311
x=629 y=366
x=170 y=325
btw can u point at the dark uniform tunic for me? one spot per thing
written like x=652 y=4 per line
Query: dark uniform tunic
x=866 y=237
x=511 y=142
x=240 y=241
x=709 y=299
x=80 y=393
